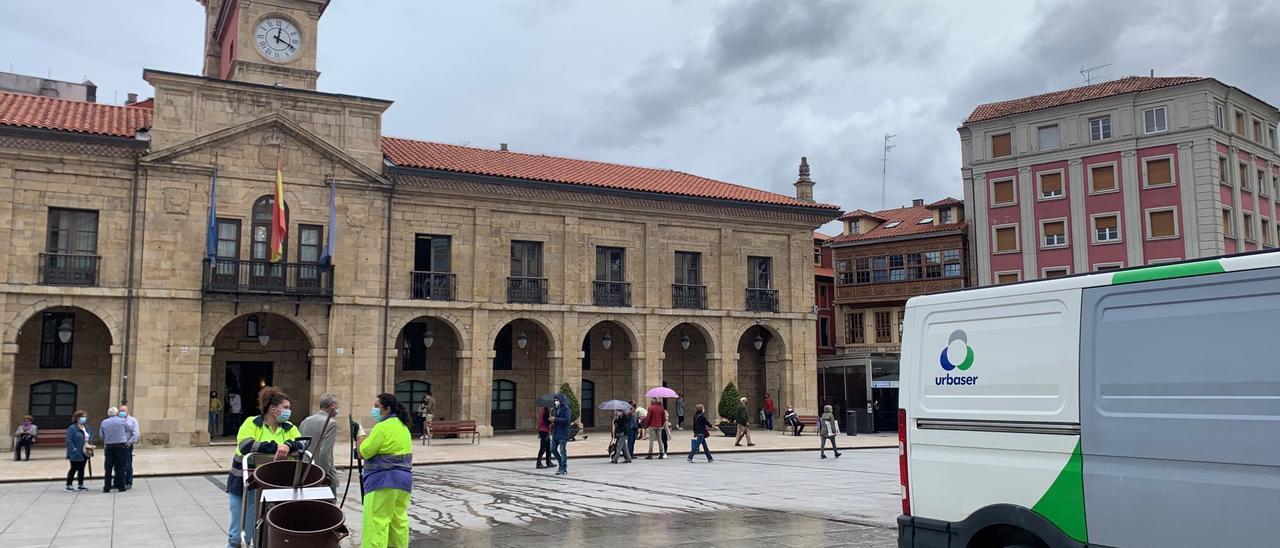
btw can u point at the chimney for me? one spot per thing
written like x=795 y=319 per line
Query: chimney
x=804 y=185
x=918 y=202
x=131 y=99
x=502 y=147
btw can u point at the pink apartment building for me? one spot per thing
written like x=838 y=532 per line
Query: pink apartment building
x=1123 y=173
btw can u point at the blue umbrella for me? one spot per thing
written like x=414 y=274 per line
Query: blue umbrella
x=615 y=405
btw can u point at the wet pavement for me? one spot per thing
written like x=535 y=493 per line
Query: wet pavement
x=742 y=499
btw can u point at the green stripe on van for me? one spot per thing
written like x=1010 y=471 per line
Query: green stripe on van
x=1063 y=503
x=1164 y=272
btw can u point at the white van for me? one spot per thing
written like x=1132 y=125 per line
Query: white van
x=1131 y=408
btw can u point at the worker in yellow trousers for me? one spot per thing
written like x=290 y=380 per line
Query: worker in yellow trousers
x=388 y=475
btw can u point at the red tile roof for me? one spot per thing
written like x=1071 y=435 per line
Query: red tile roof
x=908 y=219
x=460 y=159
x=858 y=214
x=945 y=202
x=1132 y=84
x=34 y=111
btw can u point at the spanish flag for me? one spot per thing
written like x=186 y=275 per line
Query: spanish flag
x=279 y=223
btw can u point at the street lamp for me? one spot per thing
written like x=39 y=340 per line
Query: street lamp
x=606 y=341
x=263 y=336
x=65 y=330
x=684 y=341
x=522 y=340
x=428 y=338
x=758 y=342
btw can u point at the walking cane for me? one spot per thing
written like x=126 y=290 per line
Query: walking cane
x=354 y=463
x=315 y=445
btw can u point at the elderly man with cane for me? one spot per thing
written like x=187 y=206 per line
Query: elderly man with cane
x=115 y=434
x=323 y=430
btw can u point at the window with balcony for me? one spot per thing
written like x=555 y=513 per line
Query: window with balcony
x=855 y=329
x=687 y=290
x=1106 y=228
x=57 y=334
x=761 y=296
x=1002 y=145
x=610 y=287
x=310 y=247
x=1154 y=120
x=526 y=284
x=71 y=248
x=1049 y=137
x=432 y=276
x=1099 y=128
x=884 y=329
x=1051 y=185
x=1102 y=178
x=1006 y=238
x=1002 y=193
x=1054 y=233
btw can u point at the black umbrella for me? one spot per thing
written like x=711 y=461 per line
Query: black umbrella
x=546 y=401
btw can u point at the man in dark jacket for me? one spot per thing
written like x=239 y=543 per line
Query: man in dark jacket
x=743 y=428
x=561 y=416
x=656 y=421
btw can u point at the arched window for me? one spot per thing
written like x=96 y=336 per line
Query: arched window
x=410 y=393
x=261 y=232
x=251 y=327
x=52 y=402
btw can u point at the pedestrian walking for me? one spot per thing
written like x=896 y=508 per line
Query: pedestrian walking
x=234 y=411
x=655 y=421
x=744 y=429
x=768 y=412
x=426 y=413
x=793 y=420
x=701 y=429
x=388 y=475
x=79 y=449
x=115 y=435
x=134 y=437
x=268 y=433
x=633 y=429
x=215 y=414
x=544 y=439
x=323 y=430
x=561 y=416
x=23 y=438
x=619 y=432
x=680 y=413
x=827 y=429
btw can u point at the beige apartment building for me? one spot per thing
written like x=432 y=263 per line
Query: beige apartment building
x=135 y=264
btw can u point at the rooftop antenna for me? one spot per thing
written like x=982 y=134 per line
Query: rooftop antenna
x=884 y=166
x=1087 y=73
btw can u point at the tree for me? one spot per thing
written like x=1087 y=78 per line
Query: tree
x=573 y=401
x=729 y=403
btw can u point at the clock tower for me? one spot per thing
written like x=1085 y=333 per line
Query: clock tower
x=270 y=42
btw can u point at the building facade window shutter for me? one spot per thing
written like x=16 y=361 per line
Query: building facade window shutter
x=1161 y=224
x=1002 y=145
x=1104 y=178
x=1158 y=172
x=1006 y=239
x=1003 y=191
x=1051 y=185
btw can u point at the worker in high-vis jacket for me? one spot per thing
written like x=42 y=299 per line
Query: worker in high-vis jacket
x=268 y=433
x=388 y=475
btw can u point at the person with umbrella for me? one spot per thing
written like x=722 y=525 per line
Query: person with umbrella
x=561 y=416
x=544 y=431
x=618 y=429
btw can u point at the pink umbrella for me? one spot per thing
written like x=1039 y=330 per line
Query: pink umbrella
x=661 y=392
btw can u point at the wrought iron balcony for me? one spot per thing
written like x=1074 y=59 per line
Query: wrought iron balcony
x=689 y=296
x=611 y=293
x=436 y=286
x=268 y=278
x=69 y=269
x=762 y=300
x=526 y=290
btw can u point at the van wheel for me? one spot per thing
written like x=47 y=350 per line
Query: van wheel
x=1006 y=536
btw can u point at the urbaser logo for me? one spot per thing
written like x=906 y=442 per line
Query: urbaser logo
x=957 y=346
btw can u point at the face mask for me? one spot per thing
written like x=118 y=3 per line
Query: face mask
x=122 y=414
x=285 y=414
x=84 y=420
x=26 y=422
x=375 y=413
x=557 y=403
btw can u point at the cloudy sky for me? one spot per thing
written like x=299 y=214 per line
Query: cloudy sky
x=731 y=89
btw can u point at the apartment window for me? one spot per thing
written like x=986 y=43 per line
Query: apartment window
x=1107 y=266
x=1100 y=128
x=844 y=274
x=1271 y=137
x=1248 y=227
x=610 y=264
x=72 y=232
x=1257 y=131
x=1219 y=116
x=884 y=331
x=1102 y=178
x=1002 y=145
x=824 y=331
x=855 y=329
x=310 y=242
x=944 y=216
x=1153 y=120
x=431 y=253
x=1266 y=232
x=259 y=249
x=1008 y=277
x=1239 y=123
x=908 y=266
x=1051 y=185
x=1006 y=238
x=1106 y=228
x=1050 y=137
x=1002 y=192
x=1161 y=223
x=1159 y=172
x=1058 y=272
x=526 y=259
x=1054 y=232
x=817 y=256
x=228 y=244
x=759 y=272
x=1275 y=183
x=1243 y=176
x=1222 y=171
x=822 y=295
x=688 y=268
x=54 y=352
x=1262 y=182
x=1226 y=222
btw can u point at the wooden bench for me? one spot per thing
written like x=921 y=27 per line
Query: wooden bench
x=51 y=439
x=447 y=428
x=810 y=423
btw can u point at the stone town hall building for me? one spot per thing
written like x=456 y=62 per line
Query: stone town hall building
x=489 y=277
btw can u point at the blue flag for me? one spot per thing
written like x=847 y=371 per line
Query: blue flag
x=327 y=258
x=211 y=245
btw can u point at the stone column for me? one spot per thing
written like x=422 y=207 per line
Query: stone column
x=8 y=369
x=719 y=375
x=646 y=372
x=476 y=387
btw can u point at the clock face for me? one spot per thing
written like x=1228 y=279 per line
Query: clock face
x=277 y=39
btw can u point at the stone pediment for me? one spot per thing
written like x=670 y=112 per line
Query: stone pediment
x=265 y=143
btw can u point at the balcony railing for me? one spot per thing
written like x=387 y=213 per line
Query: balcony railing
x=69 y=269
x=689 y=296
x=436 y=286
x=268 y=278
x=762 y=300
x=526 y=290
x=611 y=293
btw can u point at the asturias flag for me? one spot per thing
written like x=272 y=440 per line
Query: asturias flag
x=279 y=225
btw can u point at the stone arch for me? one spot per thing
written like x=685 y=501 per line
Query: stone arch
x=628 y=326
x=89 y=360
x=777 y=341
x=215 y=324
x=439 y=366
x=402 y=318
x=286 y=360
x=107 y=318
x=547 y=326
x=713 y=342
